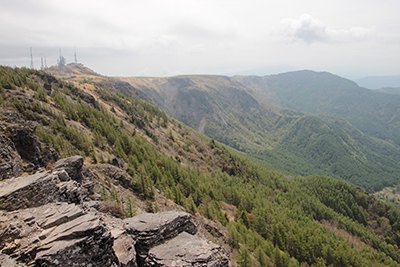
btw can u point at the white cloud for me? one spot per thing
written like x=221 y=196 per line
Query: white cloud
x=306 y=29
x=309 y=30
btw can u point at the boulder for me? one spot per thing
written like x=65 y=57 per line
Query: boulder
x=9 y=159
x=72 y=165
x=187 y=250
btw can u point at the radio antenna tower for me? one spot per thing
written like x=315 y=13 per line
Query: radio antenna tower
x=45 y=63
x=76 y=59
x=32 y=67
x=41 y=65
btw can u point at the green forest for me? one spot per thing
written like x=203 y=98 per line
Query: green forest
x=278 y=219
x=238 y=112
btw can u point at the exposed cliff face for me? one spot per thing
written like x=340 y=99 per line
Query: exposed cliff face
x=49 y=219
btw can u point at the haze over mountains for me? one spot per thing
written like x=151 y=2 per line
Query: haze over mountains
x=377 y=82
x=301 y=122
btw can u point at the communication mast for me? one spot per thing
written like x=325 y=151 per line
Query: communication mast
x=62 y=61
x=41 y=65
x=32 y=67
x=76 y=59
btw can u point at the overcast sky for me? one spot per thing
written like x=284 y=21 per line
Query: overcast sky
x=351 y=38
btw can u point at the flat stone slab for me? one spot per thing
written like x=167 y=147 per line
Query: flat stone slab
x=151 y=229
x=187 y=250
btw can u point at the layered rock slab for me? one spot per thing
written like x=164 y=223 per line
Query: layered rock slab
x=151 y=229
x=39 y=189
x=187 y=250
x=61 y=234
x=44 y=187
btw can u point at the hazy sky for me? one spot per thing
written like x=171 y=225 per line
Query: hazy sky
x=351 y=38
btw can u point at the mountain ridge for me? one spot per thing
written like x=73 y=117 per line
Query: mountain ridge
x=260 y=127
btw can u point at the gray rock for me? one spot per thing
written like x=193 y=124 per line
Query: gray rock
x=57 y=234
x=6 y=261
x=72 y=165
x=124 y=248
x=39 y=189
x=187 y=250
x=9 y=159
x=152 y=229
x=27 y=143
x=88 y=98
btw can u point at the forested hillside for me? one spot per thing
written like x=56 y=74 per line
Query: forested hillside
x=271 y=219
x=296 y=143
x=371 y=112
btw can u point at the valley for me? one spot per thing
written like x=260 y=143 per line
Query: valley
x=300 y=123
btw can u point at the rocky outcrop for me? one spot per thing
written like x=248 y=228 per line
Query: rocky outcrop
x=27 y=143
x=72 y=165
x=9 y=159
x=152 y=229
x=44 y=221
x=29 y=147
x=124 y=248
x=57 y=234
x=60 y=184
x=187 y=250
x=48 y=81
x=88 y=98
x=39 y=189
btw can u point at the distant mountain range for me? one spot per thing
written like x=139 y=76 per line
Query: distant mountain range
x=377 y=82
x=301 y=122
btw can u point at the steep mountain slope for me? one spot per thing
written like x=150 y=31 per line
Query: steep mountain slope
x=313 y=146
x=259 y=215
x=276 y=137
x=219 y=108
x=377 y=115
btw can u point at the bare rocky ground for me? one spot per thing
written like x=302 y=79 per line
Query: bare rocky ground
x=52 y=214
